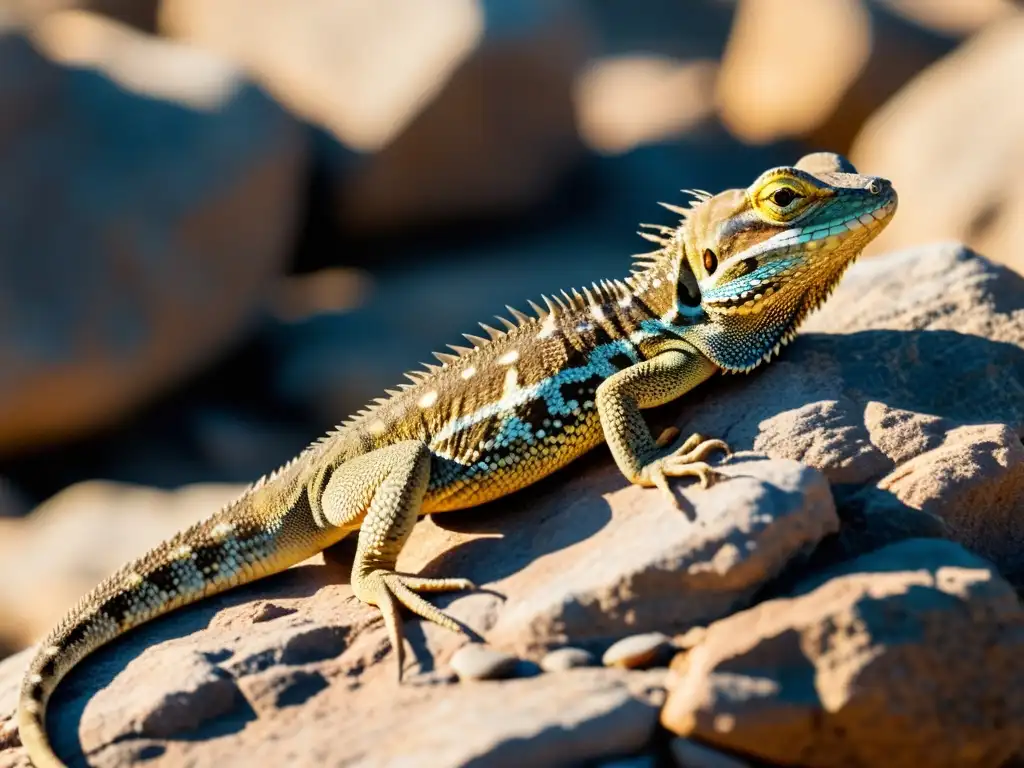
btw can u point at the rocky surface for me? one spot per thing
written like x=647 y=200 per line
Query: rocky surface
x=907 y=391
x=250 y=665
x=153 y=291
x=908 y=656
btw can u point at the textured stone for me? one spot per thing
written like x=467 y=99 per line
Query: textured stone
x=559 y=571
x=723 y=545
x=150 y=197
x=334 y=712
x=908 y=656
x=907 y=390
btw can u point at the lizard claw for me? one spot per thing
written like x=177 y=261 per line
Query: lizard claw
x=387 y=589
x=687 y=460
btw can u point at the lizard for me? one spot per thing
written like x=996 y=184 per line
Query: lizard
x=722 y=292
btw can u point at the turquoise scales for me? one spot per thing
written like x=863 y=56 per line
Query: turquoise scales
x=723 y=292
x=540 y=421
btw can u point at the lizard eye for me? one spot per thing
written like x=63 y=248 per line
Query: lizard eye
x=783 y=196
x=710 y=261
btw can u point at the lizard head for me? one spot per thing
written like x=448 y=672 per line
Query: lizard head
x=752 y=263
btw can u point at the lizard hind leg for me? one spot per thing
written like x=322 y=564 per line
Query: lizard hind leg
x=389 y=484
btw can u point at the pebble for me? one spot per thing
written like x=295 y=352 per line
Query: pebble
x=561 y=659
x=690 y=754
x=478 y=662
x=650 y=649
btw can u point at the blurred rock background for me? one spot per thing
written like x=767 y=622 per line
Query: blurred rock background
x=224 y=226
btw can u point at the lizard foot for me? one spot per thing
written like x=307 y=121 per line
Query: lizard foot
x=387 y=589
x=686 y=460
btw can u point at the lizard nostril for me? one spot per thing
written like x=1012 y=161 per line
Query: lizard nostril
x=875 y=186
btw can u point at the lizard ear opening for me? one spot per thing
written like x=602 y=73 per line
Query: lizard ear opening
x=687 y=288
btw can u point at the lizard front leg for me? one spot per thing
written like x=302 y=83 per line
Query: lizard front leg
x=382 y=492
x=642 y=459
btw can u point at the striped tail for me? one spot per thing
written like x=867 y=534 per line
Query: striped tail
x=236 y=546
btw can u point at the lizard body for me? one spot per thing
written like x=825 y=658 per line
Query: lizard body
x=723 y=291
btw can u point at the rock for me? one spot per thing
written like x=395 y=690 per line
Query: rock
x=651 y=649
x=552 y=571
x=906 y=656
x=690 y=754
x=562 y=659
x=863 y=52
x=51 y=558
x=478 y=662
x=175 y=185
x=202 y=692
x=905 y=389
x=336 y=709
x=916 y=140
x=738 y=536
x=729 y=541
x=423 y=93
x=269 y=691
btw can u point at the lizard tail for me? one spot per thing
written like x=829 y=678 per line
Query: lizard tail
x=236 y=546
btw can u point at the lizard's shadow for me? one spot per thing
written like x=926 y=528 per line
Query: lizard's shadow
x=552 y=514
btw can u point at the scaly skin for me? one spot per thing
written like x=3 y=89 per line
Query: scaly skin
x=723 y=292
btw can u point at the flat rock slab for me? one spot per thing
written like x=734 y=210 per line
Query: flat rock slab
x=262 y=667
x=908 y=656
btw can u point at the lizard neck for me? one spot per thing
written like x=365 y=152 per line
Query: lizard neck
x=669 y=290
